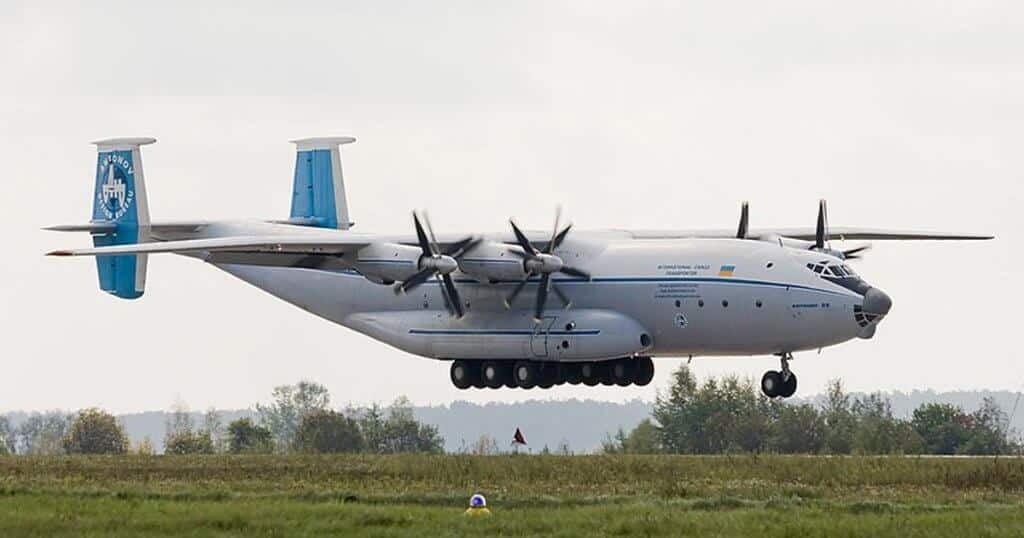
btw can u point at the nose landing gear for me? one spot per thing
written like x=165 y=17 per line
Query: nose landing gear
x=782 y=383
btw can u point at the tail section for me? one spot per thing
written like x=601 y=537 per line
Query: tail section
x=318 y=194
x=120 y=207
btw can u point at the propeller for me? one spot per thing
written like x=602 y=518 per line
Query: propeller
x=543 y=263
x=741 y=232
x=438 y=263
x=821 y=232
x=822 y=237
x=855 y=253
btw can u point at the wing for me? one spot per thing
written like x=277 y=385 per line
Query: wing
x=281 y=251
x=807 y=234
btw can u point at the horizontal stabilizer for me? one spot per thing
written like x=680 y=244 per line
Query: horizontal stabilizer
x=92 y=227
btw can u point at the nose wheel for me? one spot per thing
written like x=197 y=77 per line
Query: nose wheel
x=782 y=383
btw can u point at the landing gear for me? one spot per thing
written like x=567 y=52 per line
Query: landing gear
x=464 y=374
x=591 y=373
x=781 y=383
x=494 y=374
x=526 y=374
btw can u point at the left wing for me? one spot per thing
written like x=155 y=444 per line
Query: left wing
x=283 y=251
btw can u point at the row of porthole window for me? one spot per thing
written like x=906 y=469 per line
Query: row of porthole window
x=725 y=303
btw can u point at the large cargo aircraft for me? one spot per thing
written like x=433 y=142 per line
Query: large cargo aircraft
x=516 y=309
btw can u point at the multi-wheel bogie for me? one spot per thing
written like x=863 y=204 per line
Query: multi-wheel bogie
x=527 y=374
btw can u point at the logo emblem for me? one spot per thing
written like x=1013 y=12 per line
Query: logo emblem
x=114 y=197
x=681 y=321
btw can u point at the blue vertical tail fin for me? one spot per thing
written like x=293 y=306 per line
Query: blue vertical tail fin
x=318 y=193
x=120 y=199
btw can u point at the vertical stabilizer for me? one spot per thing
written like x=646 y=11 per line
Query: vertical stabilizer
x=120 y=199
x=318 y=194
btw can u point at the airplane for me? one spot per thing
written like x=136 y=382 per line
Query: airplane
x=518 y=309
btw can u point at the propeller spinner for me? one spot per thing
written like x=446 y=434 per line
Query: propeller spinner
x=543 y=263
x=438 y=263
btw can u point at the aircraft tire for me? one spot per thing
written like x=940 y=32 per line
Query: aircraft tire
x=621 y=372
x=492 y=374
x=590 y=373
x=572 y=374
x=643 y=371
x=461 y=374
x=525 y=374
x=771 y=383
x=548 y=376
x=789 y=386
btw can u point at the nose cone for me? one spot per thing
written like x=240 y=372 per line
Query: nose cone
x=877 y=302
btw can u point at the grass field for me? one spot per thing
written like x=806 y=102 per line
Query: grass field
x=529 y=495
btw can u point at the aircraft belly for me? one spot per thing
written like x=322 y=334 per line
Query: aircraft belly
x=572 y=335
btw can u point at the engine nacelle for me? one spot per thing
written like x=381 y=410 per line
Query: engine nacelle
x=490 y=262
x=387 y=263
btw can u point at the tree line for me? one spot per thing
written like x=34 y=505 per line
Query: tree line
x=729 y=415
x=298 y=419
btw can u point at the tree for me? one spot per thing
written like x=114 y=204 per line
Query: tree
x=292 y=403
x=182 y=437
x=485 y=445
x=643 y=439
x=95 y=431
x=718 y=416
x=399 y=432
x=878 y=432
x=989 y=428
x=244 y=436
x=43 y=434
x=7 y=436
x=327 y=432
x=840 y=424
x=943 y=428
x=188 y=442
x=800 y=429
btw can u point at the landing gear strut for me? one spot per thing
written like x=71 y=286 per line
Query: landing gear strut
x=782 y=383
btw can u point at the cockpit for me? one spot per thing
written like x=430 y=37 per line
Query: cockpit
x=832 y=269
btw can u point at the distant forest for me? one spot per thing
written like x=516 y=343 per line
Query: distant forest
x=576 y=426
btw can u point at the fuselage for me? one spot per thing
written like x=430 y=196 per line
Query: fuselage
x=678 y=297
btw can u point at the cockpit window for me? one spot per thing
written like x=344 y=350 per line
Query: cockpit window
x=825 y=268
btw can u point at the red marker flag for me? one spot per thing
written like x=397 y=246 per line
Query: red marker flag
x=518 y=439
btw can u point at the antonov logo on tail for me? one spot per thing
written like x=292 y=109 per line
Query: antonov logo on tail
x=114 y=196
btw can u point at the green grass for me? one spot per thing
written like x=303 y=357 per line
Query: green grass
x=529 y=495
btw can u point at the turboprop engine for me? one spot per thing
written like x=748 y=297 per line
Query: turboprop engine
x=387 y=263
x=492 y=262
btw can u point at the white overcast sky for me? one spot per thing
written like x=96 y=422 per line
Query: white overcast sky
x=645 y=115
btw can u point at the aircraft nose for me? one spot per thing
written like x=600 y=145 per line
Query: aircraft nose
x=877 y=302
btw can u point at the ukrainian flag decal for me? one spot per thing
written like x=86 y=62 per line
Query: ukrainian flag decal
x=726 y=270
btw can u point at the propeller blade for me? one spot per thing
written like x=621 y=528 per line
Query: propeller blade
x=421 y=236
x=854 y=253
x=566 y=303
x=414 y=280
x=453 y=295
x=741 y=232
x=461 y=247
x=430 y=231
x=542 y=296
x=557 y=241
x=515 y=292
x=554 y=231
x=444 y=294
x=572 y=271
x=521 y=239
x=821 y=232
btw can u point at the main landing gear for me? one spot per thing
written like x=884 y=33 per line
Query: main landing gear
x=526 y=374
x=781 y=383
